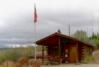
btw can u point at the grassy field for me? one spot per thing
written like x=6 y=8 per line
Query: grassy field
x=16 y=53
x=25 y=51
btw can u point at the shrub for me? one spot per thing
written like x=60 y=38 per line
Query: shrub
x=88 y=59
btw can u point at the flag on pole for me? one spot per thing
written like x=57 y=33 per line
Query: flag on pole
x=35 y=21
x=35 y=14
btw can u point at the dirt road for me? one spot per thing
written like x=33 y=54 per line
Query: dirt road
x=72 y=65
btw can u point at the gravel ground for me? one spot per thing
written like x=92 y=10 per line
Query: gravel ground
x=72 y=65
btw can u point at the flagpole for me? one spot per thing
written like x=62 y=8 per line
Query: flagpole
x=69 y=30
x=35 y=41
x=35 y=32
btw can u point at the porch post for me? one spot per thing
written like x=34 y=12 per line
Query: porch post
x=59 y=50
x=42 y=54
x=77 y=49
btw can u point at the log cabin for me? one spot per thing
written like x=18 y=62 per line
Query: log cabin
x=64 y=49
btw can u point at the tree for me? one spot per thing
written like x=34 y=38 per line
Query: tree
x=81 y=35
x=95 y=40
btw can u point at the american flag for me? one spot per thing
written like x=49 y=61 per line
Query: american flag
x=35 y=14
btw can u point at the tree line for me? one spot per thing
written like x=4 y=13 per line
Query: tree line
x=83 y=36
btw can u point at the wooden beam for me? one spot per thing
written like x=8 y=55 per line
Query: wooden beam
x=59 y=50
x=42 y=54
x=77 y=49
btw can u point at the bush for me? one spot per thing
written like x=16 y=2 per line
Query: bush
x=88 y=59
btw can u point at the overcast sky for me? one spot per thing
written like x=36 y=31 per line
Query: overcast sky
x=16 y=18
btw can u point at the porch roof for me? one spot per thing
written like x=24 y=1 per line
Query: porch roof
x=54 y=38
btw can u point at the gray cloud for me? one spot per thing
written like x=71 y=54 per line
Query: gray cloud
x=20 y=27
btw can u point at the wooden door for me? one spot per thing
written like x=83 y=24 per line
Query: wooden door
x=73 y=54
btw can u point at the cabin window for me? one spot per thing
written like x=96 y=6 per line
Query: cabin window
x=66 y=55
x=90 y=51
x=66 y=52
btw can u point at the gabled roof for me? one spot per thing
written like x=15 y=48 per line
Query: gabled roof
x=61 y=35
